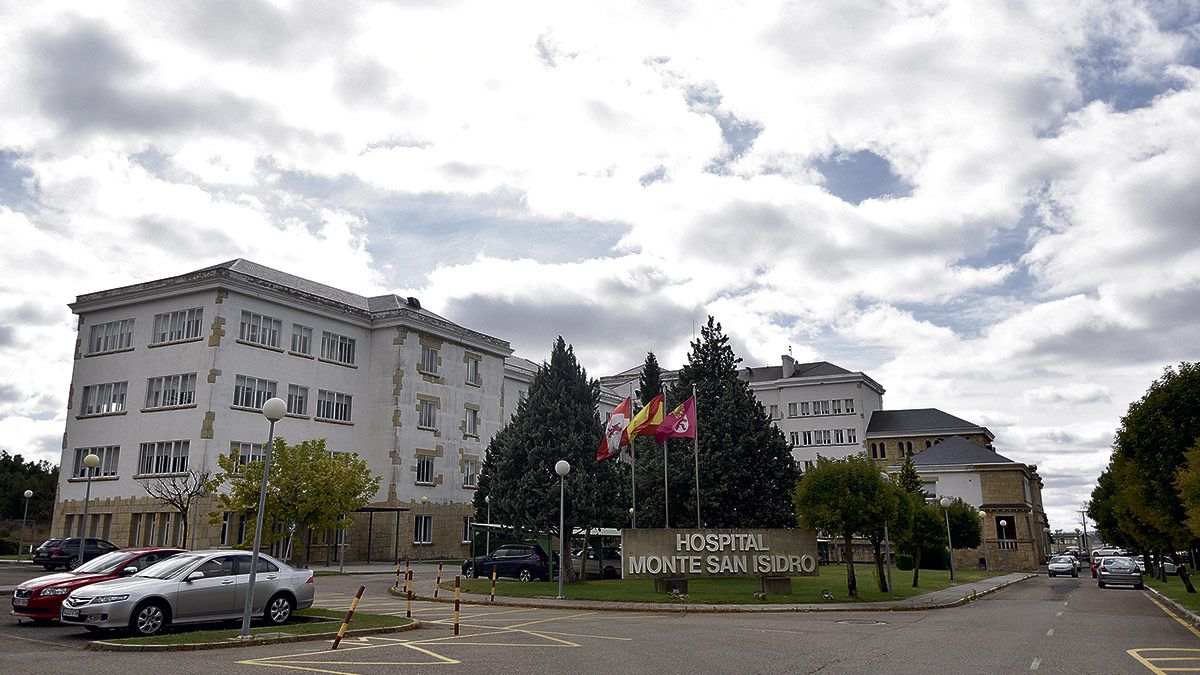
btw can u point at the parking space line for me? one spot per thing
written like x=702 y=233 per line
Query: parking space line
x=1146 y=659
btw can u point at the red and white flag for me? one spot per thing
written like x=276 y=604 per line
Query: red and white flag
x=681 y=423
x=614 y=431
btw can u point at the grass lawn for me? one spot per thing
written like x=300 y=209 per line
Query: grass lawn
x=730 y=591
x=1173 y=589
x=185 y=635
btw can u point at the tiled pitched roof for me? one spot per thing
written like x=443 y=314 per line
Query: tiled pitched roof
x=814 y=369
x=917 y=419
x=957 y=450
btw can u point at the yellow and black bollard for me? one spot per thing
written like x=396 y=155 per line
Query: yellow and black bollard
x=349 y=615
x=397 y=584
x=409 y=587
x=457 y=599
x=493 y=583
x=437 y=584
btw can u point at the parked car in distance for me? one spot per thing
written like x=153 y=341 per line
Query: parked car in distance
x=191 y=587
x=521 y=561
x=1102 y=552
x=1118 y=570
x=608 y=568
x=41 y=598
x=1169 y=567
x=1063 y=564
x=64 y=553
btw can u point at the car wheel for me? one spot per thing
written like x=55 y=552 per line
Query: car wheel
x=1100 y=584
x=1074 y=575
x=73 y=563
x=279 y=609
x=469 y=572
x=148 y=618
x=1052 y=574
x=609 y=573
x=50 y=568
x=525 y=574
x=1139 y=586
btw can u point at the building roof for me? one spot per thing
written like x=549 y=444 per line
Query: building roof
x=814 y=369
x=957 y=450
x=921 y=420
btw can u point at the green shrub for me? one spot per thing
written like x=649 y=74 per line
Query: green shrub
x=904 y=562
x=8 y=546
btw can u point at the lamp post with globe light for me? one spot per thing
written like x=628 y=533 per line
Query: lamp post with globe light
x=274 y=410
x=1003 y=549
x=90 y=462
x=983 y=537
x=945 y=502
x=21 y=544
x=562 y=468
x=487 y=538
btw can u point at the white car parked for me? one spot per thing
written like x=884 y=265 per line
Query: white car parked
x=1063 y=564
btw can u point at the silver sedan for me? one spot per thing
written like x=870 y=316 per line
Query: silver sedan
x=191 y=587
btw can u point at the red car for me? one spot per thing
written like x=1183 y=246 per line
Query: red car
x=41 y=598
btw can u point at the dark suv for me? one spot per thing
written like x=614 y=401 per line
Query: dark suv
x=64 y=553
x=521 y=561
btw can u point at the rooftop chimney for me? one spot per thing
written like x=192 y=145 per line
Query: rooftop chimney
x=789 y=365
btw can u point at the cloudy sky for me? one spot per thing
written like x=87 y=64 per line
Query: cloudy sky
x=993 y=210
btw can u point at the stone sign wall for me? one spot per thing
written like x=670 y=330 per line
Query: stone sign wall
x=697 y=553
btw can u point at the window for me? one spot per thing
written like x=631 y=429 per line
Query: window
x=297 y=400
x=425 y=470
x=470 y=473
x=170 y=390
x=246 y=451
x=429 y=360
x=808 y=465
x=824 y=407
x=851 y=436
x=808 y=438
x=774 y=412
x=333 y=405
x=849 y=405
x=1009 y=530
x=111 y=336
x=301 y=339
x=181 y=325
x=337 y=348
x=225 y=529
x=423 y=530
x=874 y=452
x=109 y=455
x=472 y=424
x=472 y=370
x=252 y=392
x=824 y=437
x=837 y=406
x=427 y=417
x=466 y=533
x=163 y=457
x=99 y=399
x=804 y=408
x=839 y=436
x=792 y=409
x=795 y=438
x=260 y=329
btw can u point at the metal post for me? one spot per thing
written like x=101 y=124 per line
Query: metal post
x=21 y=544
x=487 y=538
x=81 y=557
x=983 y=536
x=562 y=536
x=888 y=543
x=262 y=506
x=633 y=478
x=696 y=460
x=949 y=546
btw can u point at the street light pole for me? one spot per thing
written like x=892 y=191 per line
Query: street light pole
x=1003 y=551
x=983 y=537
x=562 y=468
x=487 y=545
x=949 y=543
x=888 y=544
x=21 y=544
x=90 y=462
x=274 y=410
x=425 y=512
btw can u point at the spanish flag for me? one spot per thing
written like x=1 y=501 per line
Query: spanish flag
x=646 y=421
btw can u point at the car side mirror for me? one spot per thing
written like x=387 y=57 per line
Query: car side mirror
x=132 y=569
x=194 y=576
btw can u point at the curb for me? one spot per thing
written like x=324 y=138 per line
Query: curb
x=1188 y=614
x=103 y=646
x=598 y=605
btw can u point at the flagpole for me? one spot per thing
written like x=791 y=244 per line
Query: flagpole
x=633 y=477
x=666 y=499
x=696 y=456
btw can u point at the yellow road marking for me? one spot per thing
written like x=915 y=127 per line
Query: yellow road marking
x=1171 y=614
x=1149 y=661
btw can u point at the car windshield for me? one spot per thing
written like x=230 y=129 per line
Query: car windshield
x=169 y=567
x=1118 y=563
x=106 y=563
x=1064 y=559
x=49 y=543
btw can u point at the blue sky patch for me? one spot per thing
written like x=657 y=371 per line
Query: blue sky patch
x=857 y=176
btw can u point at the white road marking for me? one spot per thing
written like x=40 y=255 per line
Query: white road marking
x=1059 y=614
x=1037 y=663
x=1050 y=632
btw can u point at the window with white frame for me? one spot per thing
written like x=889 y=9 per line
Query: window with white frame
x=825 y=440
x=429 y=360
x=169 y=390
x=851 y=436
x=792 y=409
x=252 y=392
x=824 y=407
x=337 y=348
x=470 y=473
x=807 y=437
x=109 y=456
x=472 y=371
x=774 y=411
x=301 y=339
x=466 y=533
x=795 y=438
x=246 y=451
x=849 y=405
x=839 y=436
x=425 y=470
x=297 y=400
x=808 y=465
x=111 y=336
x=427 y=417
x=260 y=329
x=99 y=399
x=423 y=530
x=471 y=428
x=161 y=457
x=181 y=325
x=334 y=405
x=804 y=408
x=837 y=406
